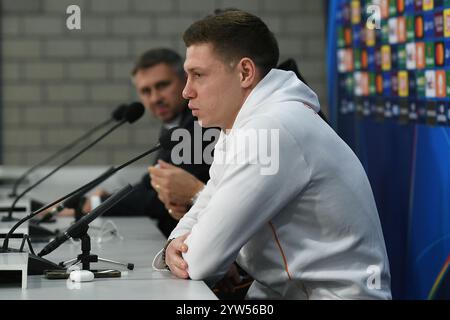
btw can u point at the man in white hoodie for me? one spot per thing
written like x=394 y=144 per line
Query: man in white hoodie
x=300 y=219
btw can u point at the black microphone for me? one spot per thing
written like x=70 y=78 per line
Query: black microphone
x=117 y=115
x=165 y=141
x=119 y=112
x=132 y=113
x=80 y=226
x=74 y=201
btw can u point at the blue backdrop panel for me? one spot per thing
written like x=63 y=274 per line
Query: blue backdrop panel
x=429 y=237
x=386 y=152
x=408 y=165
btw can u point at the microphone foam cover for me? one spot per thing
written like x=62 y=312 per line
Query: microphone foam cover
x=166 y=139
x=134 y=112
x=119 y=112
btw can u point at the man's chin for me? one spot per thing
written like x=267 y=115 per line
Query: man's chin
x=166 y=118
x=203 y=123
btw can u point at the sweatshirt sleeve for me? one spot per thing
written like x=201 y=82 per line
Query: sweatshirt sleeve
x=190 y=218
x=186 y=223
x=246 y=197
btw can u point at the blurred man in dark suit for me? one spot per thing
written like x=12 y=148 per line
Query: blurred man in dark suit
x=159 y=78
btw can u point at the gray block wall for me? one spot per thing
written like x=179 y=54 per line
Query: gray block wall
x=58 y=83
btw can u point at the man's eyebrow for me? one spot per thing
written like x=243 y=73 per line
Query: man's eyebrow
x=193 y=69
x=160 y=82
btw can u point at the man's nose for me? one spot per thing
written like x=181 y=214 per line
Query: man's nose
x=188 y=93
x=155 y=97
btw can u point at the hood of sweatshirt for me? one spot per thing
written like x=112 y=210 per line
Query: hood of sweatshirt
x=277 y=87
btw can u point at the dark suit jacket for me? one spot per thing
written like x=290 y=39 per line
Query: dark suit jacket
x=143 y=200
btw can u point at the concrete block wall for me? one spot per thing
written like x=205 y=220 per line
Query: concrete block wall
x=58 y=83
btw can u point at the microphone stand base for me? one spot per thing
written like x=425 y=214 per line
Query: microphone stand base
x=36 y=265
x=86 y=257
x=9 y=219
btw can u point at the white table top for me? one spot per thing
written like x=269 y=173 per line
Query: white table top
x=141 y=241
x=66 y=180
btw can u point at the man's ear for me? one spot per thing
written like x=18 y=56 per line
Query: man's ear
x=247 y=72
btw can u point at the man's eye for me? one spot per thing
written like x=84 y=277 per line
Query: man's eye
x=197 y=75
x=163 y=85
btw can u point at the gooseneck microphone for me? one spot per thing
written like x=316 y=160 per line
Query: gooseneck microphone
x=80 y=226
x=117 y=115
x=165 y=142
x=74 y=201
x=132 y=114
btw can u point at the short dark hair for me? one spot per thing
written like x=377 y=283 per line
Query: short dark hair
x=236 y=34
x=153 y=57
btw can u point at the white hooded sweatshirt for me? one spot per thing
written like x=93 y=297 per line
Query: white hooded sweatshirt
x=305 y=228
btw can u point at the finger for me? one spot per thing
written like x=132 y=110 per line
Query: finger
x=161 y=198
x=179 y=263
x=169 y=195
x=179 y=273
x=164 y=194
x=67 y=213
x=177 y=214
x=176 y=207
x=165 y=165
x=158 y=180
x=177 y=246
x=182 y=247
x=159 y=186
x=155 y=185
x=176 y=260
x=158 y=172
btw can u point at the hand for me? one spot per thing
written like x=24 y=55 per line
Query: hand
x=67 y=213
x=177 y=211
x=45 y=212
x=174 y=185
x=64 y=213
x=229 y=281
x=174 y=258
x=86 y=207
